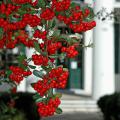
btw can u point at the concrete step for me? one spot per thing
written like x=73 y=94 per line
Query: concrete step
x=79 y=106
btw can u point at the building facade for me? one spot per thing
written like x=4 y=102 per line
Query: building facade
x=96 y=70
x=99 y=73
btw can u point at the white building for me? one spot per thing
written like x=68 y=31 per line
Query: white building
x=100 y=64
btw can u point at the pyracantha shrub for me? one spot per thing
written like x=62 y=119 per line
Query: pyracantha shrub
x=41 y=16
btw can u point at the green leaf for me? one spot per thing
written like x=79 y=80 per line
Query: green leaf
x=8 y=72
x=39 y=100
x=72 y=41
x=38 y=73
x=21 y=12
x=32 y=12
x=1 y=32
x=59 y=95
x=2 y=16
x=50 y=92
x=58 y=110
x=90 y=17
x=62 y=56
x=50 y=64
x=46 y=68
x=37 y=47
x=26 y=6
x=32 y=84
x=32 y=67
x=44 y=53
x=29 y=59
x=56 y=33
x=53 y=56
x=73 y=4
x=21 y=58
x=51 y=24
x=64 y=37
x=23 y=66
x=57 y=13
x=41 y=3
x=37 y=95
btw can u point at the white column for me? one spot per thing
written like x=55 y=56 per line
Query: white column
x=25 y=84
x=31 y=78
x=103 y=55
x=29 y=53
x=22 y=86
x=88 y=37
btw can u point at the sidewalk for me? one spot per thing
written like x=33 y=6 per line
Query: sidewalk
x=76 y=116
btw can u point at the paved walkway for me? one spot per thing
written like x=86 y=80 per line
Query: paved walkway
x=74 y=97
x=76 y=116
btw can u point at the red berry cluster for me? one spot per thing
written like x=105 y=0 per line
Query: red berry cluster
x=11 y=44
x=30 y=43
x=52 y=47
x=7 y=26
x=42 y=86
x=48 y=109
x=71 y=51
x=7 y=9
x=32 y=20
x=56 y=78
x=76 y=20
x=21 y=1
x=83 y=26
x=61 y=5
x=18 y=74
x=40 y=60
x=41 y=35
x=47 y=14
x=42 y=46
x=24 y=39
x=8 y=41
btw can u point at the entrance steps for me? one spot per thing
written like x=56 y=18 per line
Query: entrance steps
x=79 y=106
